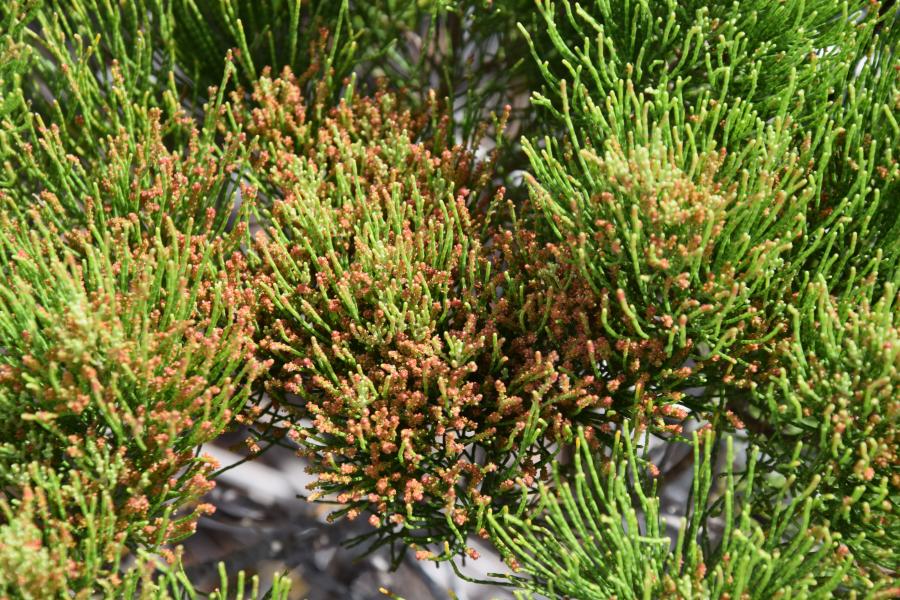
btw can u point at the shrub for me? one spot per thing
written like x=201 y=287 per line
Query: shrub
x=378 y=300
x=138 y=345
x=340 y=225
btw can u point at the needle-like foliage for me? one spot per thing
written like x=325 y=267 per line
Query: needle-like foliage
x=62 y=536
x=602 y=534
x=453 y=252
x=831 y=411
x=139 y=345
x=378 y=302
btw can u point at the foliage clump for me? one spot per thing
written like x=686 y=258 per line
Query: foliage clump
x=831 y=412
x=610 y=512
x=379 y=304
x=345 y=227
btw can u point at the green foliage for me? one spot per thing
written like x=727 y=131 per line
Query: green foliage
x=744 y=51
x=663 y=250
x=681 y=210
x=277 y=34
x=722 y=62
x=601 y=534
x=317 y=219
x=91 y=68
x=676 y=223
x=12 y=60
x=459 y=49
x=41 y=550
x=140 y=345
x=831 y=411
x=377 y=301
x=467 y=51
x=62 y=538
x=113 y=139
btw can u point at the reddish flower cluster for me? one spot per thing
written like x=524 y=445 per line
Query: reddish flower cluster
x=630 y=284
x=139 y=347
x=381 y=307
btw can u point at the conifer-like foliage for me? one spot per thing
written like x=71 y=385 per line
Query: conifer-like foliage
x=479 y=262
x=830 y=412
x=609 y=513
x=379 y=300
